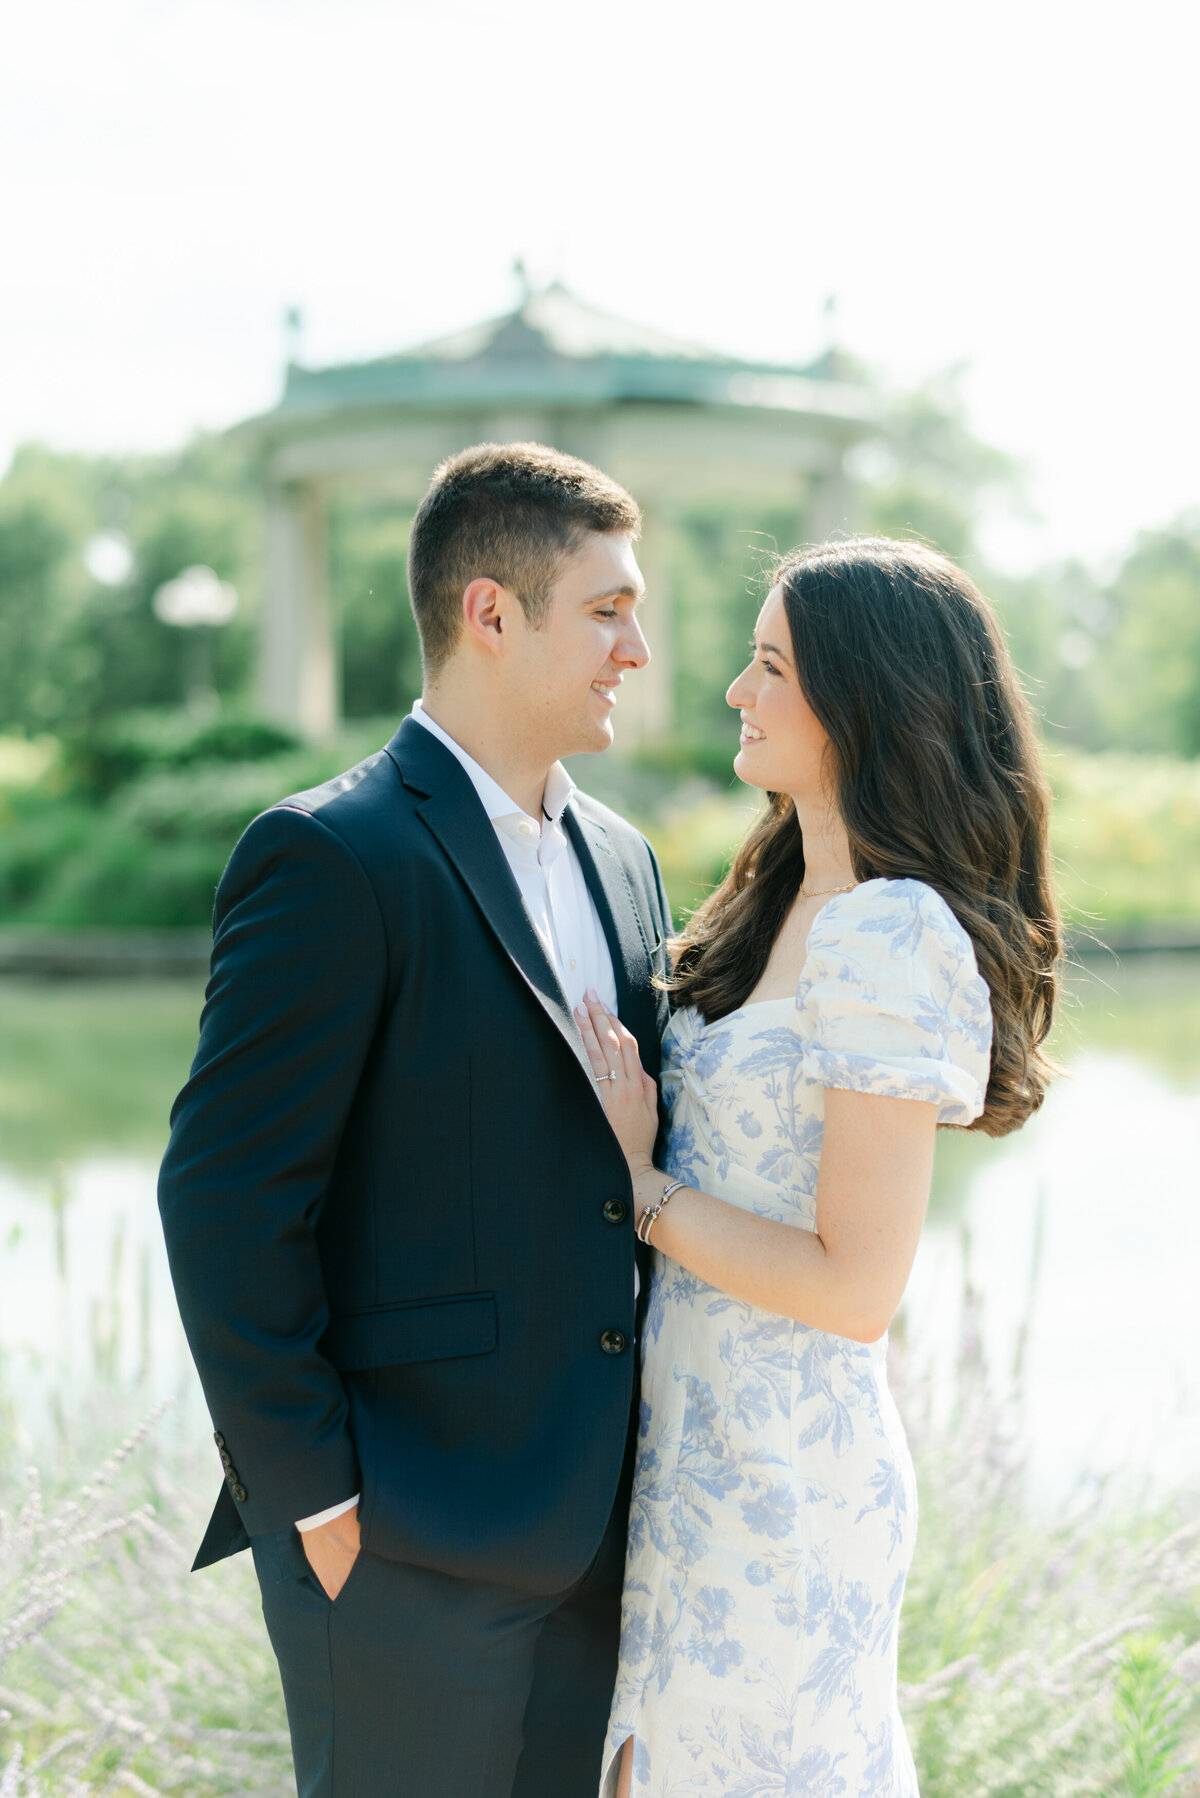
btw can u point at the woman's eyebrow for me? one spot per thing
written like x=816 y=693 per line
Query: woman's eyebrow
x=772 y=649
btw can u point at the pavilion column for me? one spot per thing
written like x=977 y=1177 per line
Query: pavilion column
x=646 y=708
x=828 y=510
x=298 y=664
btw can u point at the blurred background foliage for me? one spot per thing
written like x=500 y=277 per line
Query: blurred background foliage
x=118 y=804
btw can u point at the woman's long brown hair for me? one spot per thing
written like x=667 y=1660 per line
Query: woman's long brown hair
x=934 y=764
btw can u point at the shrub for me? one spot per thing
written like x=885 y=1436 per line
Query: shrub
x=136 y=828
x=1127 y=837
x=134 y=743
x=138 y=834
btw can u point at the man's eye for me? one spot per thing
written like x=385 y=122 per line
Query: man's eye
x=607 y=612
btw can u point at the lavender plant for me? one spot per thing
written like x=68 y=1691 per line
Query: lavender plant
x=119 y=1671
x=1040 y=1658
x=1023 y=1661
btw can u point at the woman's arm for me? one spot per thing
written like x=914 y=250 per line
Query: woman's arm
x=849 y=1274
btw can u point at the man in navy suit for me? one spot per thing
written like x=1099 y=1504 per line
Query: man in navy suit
x=399 y=1224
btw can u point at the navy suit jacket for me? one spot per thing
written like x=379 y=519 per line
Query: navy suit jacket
x=399 y=1224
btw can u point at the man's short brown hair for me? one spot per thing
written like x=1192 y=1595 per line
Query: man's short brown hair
x=509 y=512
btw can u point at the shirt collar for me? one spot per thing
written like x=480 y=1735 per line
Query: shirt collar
x=560 y=788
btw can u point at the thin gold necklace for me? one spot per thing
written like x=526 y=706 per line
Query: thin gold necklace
x=824 y=892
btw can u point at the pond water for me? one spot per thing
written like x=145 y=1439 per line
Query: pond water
x=1065 y=1255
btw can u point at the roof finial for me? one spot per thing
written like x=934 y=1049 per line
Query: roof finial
x=829 y=312
x=293 y=334
x=524 y=286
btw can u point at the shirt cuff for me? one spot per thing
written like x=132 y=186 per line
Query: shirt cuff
x=320 y=1517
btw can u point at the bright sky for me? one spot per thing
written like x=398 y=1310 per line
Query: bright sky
x=1013 y=186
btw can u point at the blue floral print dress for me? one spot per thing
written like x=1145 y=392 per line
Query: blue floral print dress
x=774 y=1509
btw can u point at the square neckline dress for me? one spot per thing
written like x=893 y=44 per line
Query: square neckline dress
x=774 y=1506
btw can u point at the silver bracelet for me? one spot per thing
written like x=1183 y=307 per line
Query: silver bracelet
x=652 y=1213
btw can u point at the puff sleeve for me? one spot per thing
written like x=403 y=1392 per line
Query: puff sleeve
x=891 y=1001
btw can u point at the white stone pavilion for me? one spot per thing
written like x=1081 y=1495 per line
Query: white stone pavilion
x=677 y=424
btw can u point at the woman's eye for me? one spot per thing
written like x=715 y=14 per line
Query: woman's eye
x=608 y=612
x=770 y=666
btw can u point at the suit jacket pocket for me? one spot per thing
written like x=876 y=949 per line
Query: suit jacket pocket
x=414 y=1330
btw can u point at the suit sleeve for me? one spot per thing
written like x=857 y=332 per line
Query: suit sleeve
x=299 y=973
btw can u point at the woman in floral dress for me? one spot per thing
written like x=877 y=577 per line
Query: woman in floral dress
x=880 y=960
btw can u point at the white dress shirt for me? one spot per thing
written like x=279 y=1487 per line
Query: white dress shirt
x=546 y=867
x=561 y=909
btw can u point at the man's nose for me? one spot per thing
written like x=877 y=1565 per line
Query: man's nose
x=634 y=648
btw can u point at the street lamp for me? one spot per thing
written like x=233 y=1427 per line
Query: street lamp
x=197 y=601
x=108 y=558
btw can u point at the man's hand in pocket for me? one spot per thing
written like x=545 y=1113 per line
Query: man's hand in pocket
x=332 y=1549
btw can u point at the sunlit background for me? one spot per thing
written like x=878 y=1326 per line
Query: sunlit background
x=1007 y=188
x=927 y=270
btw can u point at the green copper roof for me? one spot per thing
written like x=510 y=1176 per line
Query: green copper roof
x=555 y=350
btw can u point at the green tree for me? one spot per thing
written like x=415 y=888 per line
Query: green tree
x=47 y=509
x=33 y=545
x=74 y=650
x=928 y=475
x=719 y=578
x=380 y=650
x=1148 y=673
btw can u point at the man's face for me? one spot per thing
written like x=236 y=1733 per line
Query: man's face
x=564 y=678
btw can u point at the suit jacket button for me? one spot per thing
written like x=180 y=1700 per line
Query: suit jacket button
x=615 y=1211
x=239 y=1492
x=612 y=1342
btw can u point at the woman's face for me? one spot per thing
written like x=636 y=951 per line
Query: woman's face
x=783 y=746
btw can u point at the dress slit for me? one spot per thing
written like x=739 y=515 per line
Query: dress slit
x=612 y=1766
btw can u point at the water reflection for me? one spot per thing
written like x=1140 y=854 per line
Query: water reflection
x=1067 y=1249
x=90 y=1067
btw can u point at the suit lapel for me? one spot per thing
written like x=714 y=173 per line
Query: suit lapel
x=452 y=812
x=631 y=953
x=470 y=842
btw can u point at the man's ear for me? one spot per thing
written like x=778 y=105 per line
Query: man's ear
x=487 y=613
